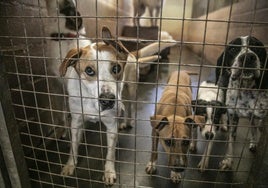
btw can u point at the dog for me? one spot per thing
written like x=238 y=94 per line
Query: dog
x=65 y=29
x=140 y=7
x=209 y=103
x=172 y=124
x=135 y=61
x=241 y=73
x=98 y=73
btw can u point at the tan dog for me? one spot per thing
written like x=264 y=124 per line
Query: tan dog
x=173 y=123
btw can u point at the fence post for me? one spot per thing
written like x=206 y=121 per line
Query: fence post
x=14 y=170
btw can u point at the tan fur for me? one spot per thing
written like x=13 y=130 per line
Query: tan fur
x=173 y=122
x=177 y=96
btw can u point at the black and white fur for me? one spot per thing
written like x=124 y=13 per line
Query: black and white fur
x=242 y=74
x=210 y=104
x=66 y=30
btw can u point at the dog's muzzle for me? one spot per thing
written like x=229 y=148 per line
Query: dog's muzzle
x=247 y=67
x=209 y=135
x=178 y=167
x=107 y=101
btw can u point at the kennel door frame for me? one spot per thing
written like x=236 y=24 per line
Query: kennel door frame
x=14 y=171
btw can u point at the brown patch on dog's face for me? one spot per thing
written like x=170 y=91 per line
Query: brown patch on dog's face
x=86 y=64
x=175 y=136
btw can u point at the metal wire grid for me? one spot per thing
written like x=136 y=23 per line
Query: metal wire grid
x=45 y=152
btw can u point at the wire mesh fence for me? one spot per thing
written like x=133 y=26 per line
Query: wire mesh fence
x=92 y=84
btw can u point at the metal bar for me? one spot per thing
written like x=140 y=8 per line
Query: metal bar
x=9 y=137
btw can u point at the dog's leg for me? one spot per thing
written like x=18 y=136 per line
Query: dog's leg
x=253 y=139
x=151 y=165
x=109 y=173
x=203 y=164
x=194 y=140
x=128 y=115
x=157 y=12
x=227 y=162
x=139 y=10
x=151 y=15
x=76 y=134
x=132 y=90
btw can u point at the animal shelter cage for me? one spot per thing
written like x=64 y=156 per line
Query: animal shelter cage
x=35 y=119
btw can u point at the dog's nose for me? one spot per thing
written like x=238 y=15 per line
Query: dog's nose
x=209 y=135
x=107 y=101
x=178 y=169
x=178 y=166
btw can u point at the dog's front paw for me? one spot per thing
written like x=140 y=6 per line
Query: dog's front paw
x=122 y=126
x=150 y=168
x=192 y=147
x=109 y=177
x=125 y=125
x=67 y=170
x=253 y=147
x=226 y=164
x=202 y=166
x=175 y=177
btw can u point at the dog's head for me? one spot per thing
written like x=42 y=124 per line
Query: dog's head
x=214 y=113
x=100 y=67
x=242 y=60
x=175 y=136
x=63 y=19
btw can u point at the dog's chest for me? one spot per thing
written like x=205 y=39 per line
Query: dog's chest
x=245 y=102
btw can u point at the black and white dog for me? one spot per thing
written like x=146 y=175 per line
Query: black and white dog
x=210 y=104
x=66 y=30
x=242 y=73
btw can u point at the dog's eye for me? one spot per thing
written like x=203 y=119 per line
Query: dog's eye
x=116 y=69
x=90 y=71
x=185 y=142
x=169 y=142
x=234 y=49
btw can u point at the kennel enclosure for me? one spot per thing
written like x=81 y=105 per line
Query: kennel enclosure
x=33 y=147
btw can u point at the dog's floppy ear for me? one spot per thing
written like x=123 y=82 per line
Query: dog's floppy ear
x=219 y=68
x=262 y=54
x=220 y=106
x=70 y=60
x=108 y=39
x=198 y=106
x=194 y=120
x=158 y=122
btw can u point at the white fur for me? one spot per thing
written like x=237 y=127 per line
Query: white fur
x=209 y=92
x=84 y=106
x=57 y=50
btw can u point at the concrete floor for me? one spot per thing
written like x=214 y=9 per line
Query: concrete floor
x=133 y=149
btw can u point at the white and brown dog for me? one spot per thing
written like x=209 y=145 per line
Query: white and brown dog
x=209 y=104
x=96 y=75
x=172 y=124
x=242 y=73
x=154 y=7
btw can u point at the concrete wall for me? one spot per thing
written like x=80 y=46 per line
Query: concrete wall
x=225 y=24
